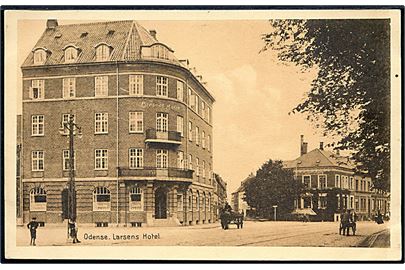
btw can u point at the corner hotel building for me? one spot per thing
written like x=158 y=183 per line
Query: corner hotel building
x=145 y=154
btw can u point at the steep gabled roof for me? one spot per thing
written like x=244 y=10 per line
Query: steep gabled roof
x=121 y=36
x=319 y=158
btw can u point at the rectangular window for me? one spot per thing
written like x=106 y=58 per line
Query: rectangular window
x=161 y=158
x=190 y=162
x=322 y=181
x=101 y=159
x=180 y=125
x=197 y=104
x=322 y=201
x=351 y=183
x=37 y=161
x=337 y=181
x=101 y=123
x=306 y=180
x=209 y=142
x=203 y=109
x=135 y=158
x=161 y=86
x=135 y=199
x=179 y=202
x=203 y=169
x=203 y=139
x=197 y=135
x=161 y=122
x=69 y=87
x=65 y=122
x=208 y=114
x=180 y=159
x=180 y=90
x=66 y=163
x=101 y=86
x=190 y=131
x=37 y=125
x=135 y=122
x=135 y=85
x=37 y=89
x=190 y=97
x=197 y=166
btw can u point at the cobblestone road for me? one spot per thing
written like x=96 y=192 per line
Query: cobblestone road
x=313 y=234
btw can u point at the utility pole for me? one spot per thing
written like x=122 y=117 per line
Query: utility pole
x=70 y=126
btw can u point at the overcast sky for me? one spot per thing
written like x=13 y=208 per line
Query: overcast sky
x=254 y=92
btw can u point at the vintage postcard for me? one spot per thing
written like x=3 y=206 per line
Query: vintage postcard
x=203 y=134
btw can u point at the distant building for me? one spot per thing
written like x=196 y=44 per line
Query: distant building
x=145 y=155
x=333 y=185
x=220 y=187
x=238 y=202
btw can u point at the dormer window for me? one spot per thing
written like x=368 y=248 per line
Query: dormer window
x=71 y=54
x=159 y=51
x=103 y=52
x=39 y=57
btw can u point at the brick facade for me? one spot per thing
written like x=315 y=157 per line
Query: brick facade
x=171 y=185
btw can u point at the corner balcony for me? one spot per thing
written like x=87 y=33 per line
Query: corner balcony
x=163 y=137
x=156 y=173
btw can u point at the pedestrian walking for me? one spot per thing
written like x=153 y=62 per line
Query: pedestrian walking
x=32 y=226
x=73 y=229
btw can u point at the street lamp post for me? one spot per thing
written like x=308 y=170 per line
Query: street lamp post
x=70 y=126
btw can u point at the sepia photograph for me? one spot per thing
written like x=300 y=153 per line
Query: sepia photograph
x=203 y=134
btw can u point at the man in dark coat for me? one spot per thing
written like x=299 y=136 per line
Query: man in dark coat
x=73 y=230
x=32 y=226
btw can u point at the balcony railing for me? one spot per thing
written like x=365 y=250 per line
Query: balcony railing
x=156 y=172
x=168 y=137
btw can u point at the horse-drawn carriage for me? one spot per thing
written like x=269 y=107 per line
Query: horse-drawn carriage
x=230 y=217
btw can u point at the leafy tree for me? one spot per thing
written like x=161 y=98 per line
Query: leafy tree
x=350 y=97
x=273 y=185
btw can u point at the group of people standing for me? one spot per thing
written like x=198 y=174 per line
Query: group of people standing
x=72 y=230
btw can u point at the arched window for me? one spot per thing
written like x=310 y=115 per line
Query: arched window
x=209 y=202
x=39 y=57
x=37 y=199
x=197 y=201
x=204 y=203
x=101 y=199
x=103 y=52
x=135 y=199
x=70 y=54
x=190 y=201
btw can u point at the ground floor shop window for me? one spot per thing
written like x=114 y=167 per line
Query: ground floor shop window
x=322 y=201
x=37 y=199
x=135 y=199
x=101 y=199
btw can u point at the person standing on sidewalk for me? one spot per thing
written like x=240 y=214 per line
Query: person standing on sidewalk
x=32 y=226
x=73 y=230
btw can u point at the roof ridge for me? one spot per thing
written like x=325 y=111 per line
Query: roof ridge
x=93 y=23
x=321 y=151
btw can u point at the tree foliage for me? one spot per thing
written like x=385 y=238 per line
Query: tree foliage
x=350 y=95
x=273 y=185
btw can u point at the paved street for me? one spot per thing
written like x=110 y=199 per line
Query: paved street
x=316 y=234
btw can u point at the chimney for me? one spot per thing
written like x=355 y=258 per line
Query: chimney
x=304 y=146
x=199 y=77
x=338 y=152
x=51 y=23
x=153 y=33
x=321 y=146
